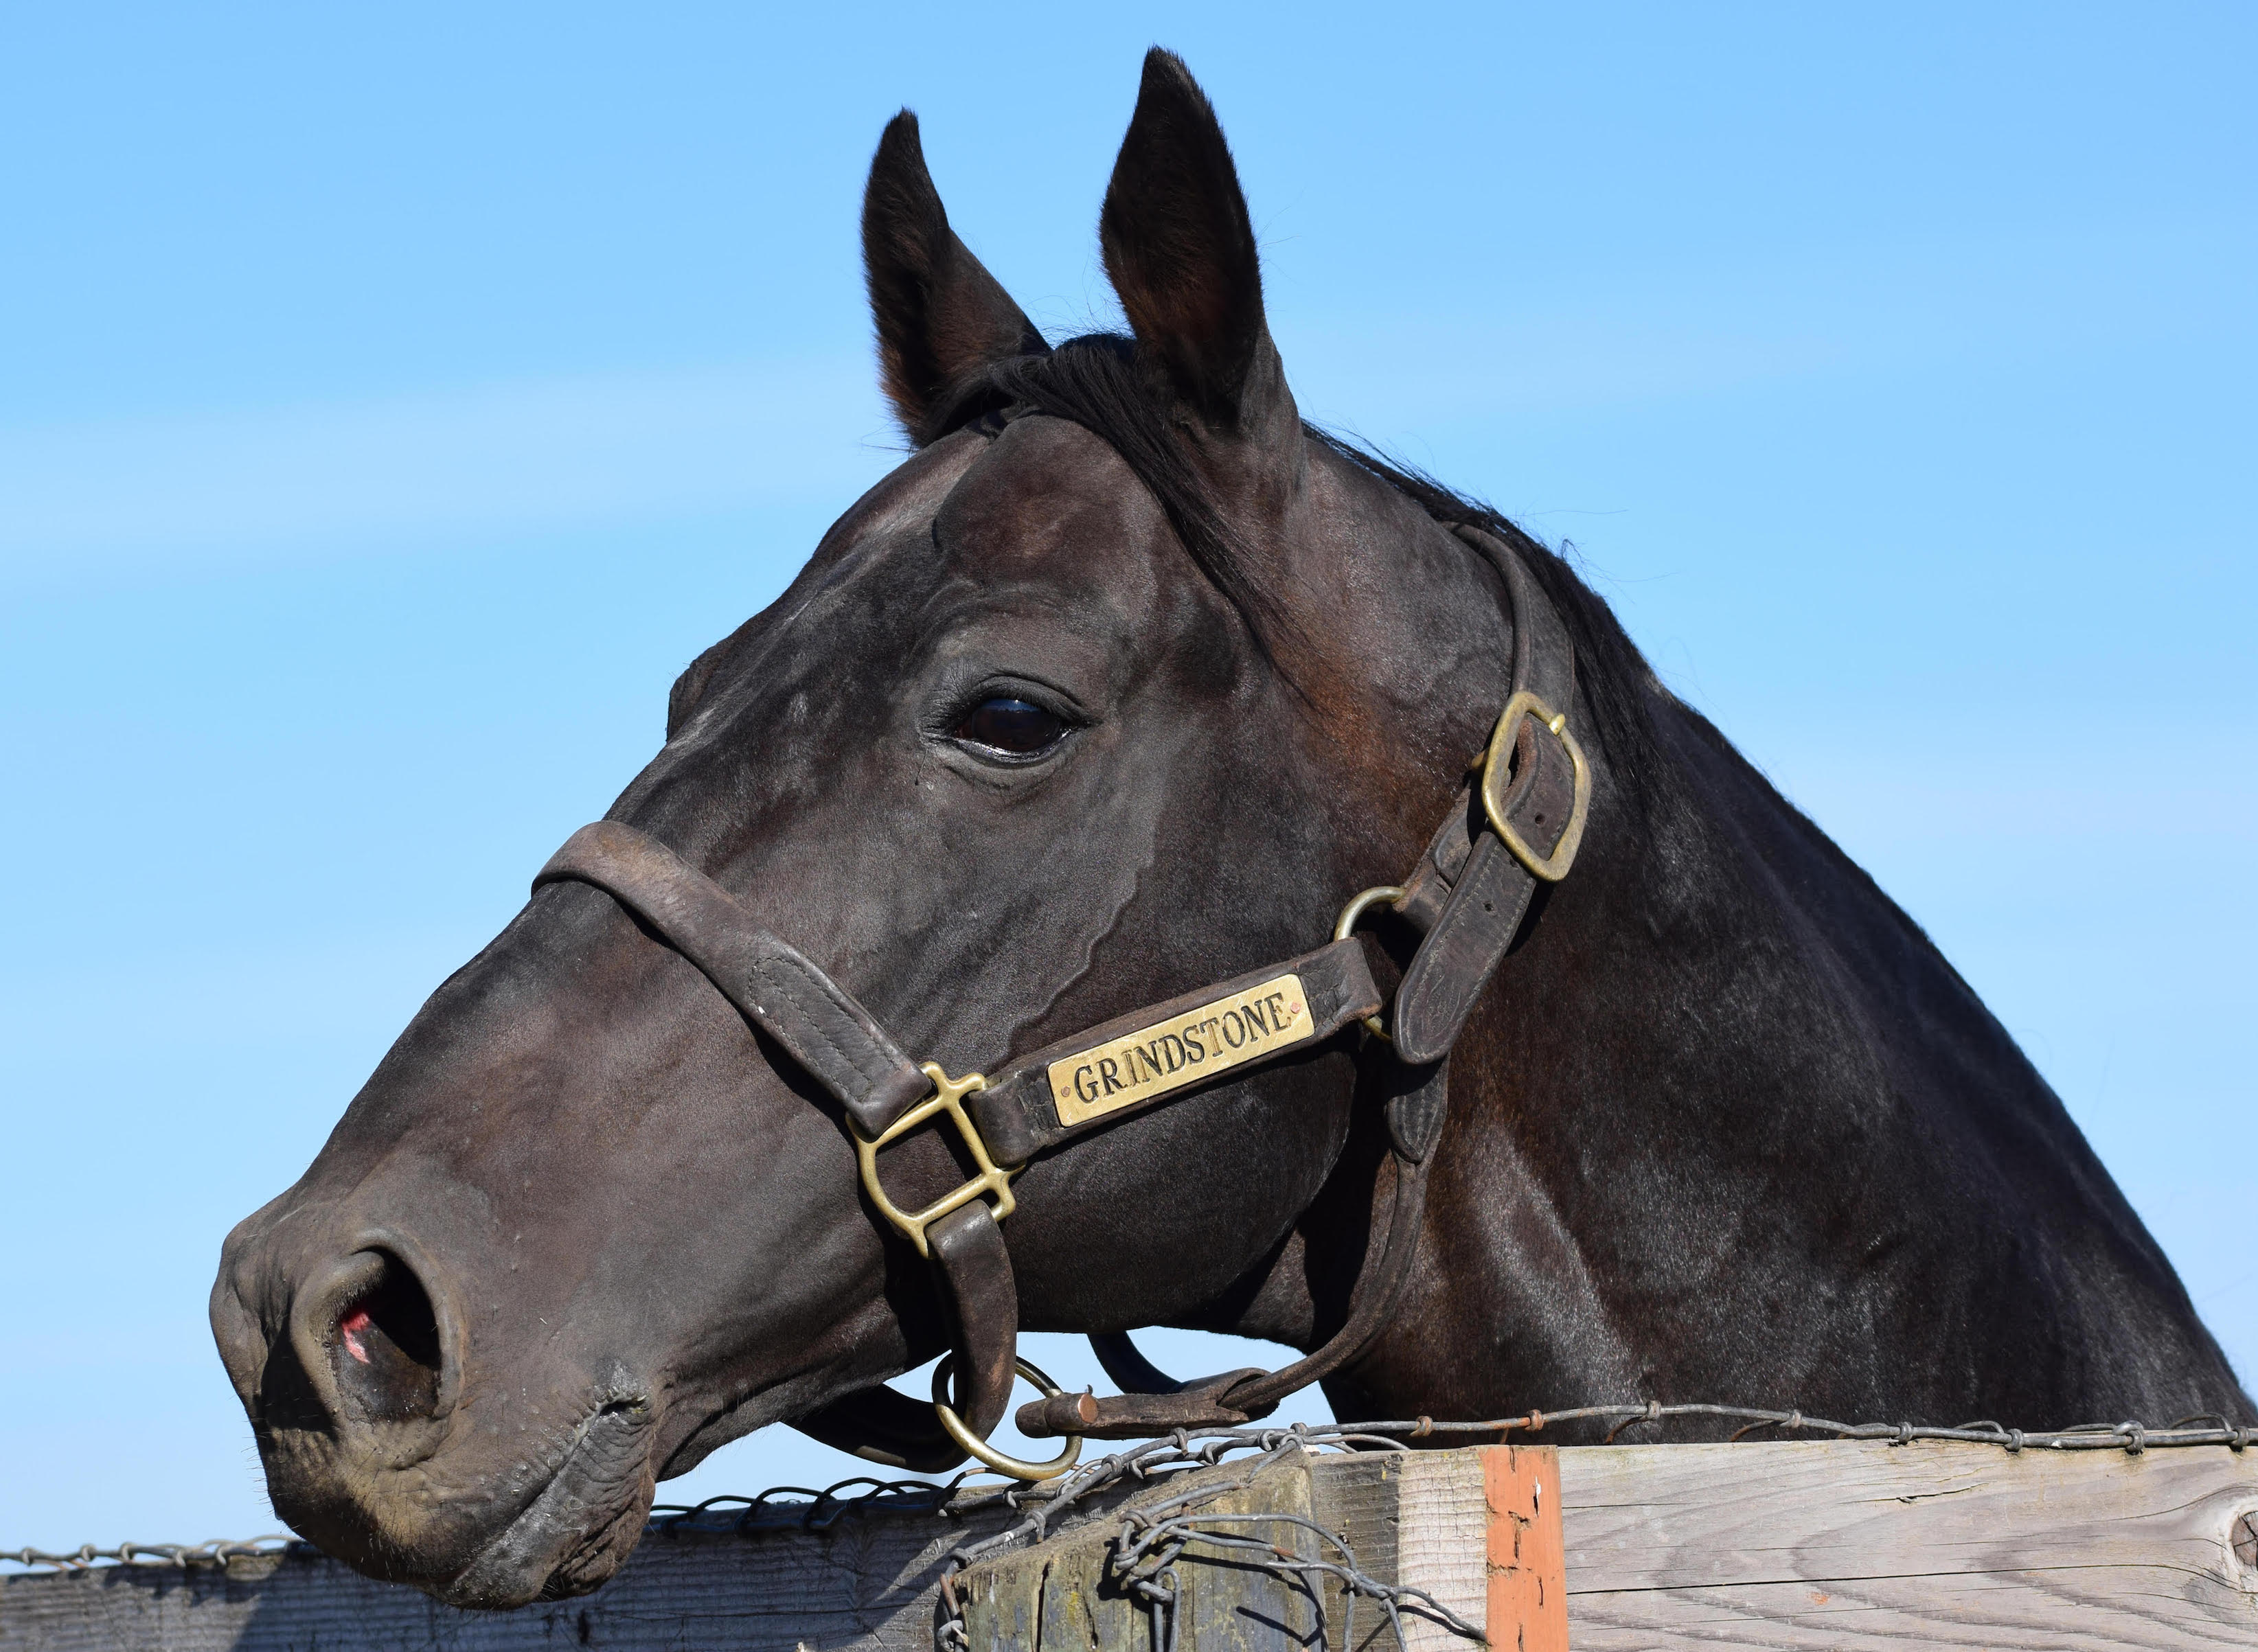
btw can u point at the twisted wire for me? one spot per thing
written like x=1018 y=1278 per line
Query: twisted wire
x=219 y=1552
x=807 y=1509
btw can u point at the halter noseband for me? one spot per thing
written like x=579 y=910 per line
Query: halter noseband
x=1517 y=821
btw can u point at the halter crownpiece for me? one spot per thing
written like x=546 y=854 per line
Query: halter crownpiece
x=1517 y=821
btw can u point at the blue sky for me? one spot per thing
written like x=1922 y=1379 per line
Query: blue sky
x=392 y=402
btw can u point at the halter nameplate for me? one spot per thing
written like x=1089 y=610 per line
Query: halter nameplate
x=1185 y=1049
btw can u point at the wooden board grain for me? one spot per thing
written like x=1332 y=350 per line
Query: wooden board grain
x=1865 y=1545
x=1426 y=1519
x=1063 y=1595
x=1845 y=1546
x=1442 y=1539
x=1357 y=1499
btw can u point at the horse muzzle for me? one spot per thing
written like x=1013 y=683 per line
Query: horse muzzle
x=352 y=1360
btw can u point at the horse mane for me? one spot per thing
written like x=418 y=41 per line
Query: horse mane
x=1612 y=672
x=1096 y=382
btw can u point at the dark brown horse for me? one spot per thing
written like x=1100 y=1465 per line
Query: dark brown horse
x=1118 y=687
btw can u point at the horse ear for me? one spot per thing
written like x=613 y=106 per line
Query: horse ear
x=941 y=317
x=1180 y=251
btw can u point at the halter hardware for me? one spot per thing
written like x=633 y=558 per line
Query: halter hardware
x=1554 y=867
x=978 y=1450
x=1468 y=895
x=1344 y=925
x=947 y=1098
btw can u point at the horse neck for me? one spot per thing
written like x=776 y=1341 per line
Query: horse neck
x=1727 y=1125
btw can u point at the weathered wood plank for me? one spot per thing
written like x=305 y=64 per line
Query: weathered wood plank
x=1062 y=1594
x=1356 y=1499
x=1424 y=1520
x=1862 y=1544
x=1442 y=1537
x=1837 y=1545
x=1232 y=1606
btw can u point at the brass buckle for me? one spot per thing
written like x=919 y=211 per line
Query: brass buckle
x=1523 y=704
x=947 y=1098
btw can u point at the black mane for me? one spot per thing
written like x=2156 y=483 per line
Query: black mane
x=1612 y=672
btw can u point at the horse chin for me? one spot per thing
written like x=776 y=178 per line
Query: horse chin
x=577 y=1530
x=403 y=1517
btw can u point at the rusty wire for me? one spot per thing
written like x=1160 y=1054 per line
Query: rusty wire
x=1150 y=1543
x=778 y=1508
x=1190 y=1449
x=2132 y=1437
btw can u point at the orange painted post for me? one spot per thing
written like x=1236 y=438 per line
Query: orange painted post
x=1528 y=1606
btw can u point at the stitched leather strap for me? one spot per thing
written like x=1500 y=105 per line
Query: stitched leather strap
x=783 y=993
x=1479 y=903
x=885 y=1425
x=1386 y=1267
x=982 y=1300
x=1018 y=1112
x=840 y=1043
x=1469 y=892
x=1237 y=1397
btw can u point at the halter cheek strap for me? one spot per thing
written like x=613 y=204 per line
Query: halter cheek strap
x=836 y=1039
x=884 y=1094
x=1516 y=822
x=1509 y=831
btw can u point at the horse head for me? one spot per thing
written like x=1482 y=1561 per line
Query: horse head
x=1115 y=686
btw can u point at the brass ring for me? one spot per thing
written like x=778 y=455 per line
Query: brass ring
x=973 y=1446
x=1346 y=924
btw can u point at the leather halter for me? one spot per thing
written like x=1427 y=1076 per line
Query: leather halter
x=1517 y=821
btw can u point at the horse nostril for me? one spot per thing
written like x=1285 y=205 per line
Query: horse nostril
x=385 y=1350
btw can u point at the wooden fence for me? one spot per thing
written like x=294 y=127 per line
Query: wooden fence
x=1833 y=1544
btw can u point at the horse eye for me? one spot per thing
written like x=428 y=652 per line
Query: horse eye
x=1011 y=726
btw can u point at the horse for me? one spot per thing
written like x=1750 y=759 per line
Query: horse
x=1120 y=685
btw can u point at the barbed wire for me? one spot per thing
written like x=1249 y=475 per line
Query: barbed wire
x=2209 y=1428
x=808 y=1509
x=1150 y=1542
x=779 y=1508
x=1190 y=1449
x=818 y=1511
x=218 y=1552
